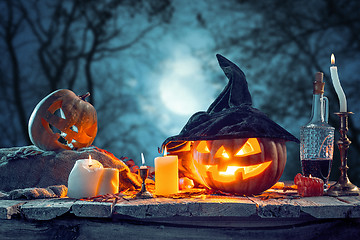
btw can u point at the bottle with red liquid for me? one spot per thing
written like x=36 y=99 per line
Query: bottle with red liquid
x=317 y=137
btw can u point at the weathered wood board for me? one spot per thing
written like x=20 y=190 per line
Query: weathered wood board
x=211 y=206
x=212 y=217
x=90 y=228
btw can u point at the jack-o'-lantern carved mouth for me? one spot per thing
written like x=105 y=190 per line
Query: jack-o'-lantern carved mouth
x=231 y=172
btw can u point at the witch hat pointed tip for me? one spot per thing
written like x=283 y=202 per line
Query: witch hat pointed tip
x=221 y=59
x=225 y=63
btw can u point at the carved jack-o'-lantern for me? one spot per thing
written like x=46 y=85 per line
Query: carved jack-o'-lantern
x=234 y=147
x=243 y=166
x=63 y=120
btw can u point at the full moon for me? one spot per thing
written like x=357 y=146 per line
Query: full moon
x=183 y=87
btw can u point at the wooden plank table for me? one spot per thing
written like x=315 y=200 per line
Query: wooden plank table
x=210 y=217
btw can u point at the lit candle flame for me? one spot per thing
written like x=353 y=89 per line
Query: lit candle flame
x=142 y=159
x=165 y=152
x=332 y=59
x=90 y=161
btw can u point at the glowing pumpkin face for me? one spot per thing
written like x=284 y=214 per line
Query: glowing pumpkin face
x=242 y=166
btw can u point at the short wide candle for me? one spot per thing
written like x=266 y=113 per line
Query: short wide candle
x=89 y=178
x=109 y=182
x=84 y=178
x=166 y=175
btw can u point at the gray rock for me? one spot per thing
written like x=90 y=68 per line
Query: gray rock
x=10 y=208
x=92 y=209
x=46 y=209
x=34 y=193
x=29 y=166
x=3 y=195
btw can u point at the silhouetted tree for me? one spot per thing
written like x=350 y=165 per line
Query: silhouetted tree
x=10 y=24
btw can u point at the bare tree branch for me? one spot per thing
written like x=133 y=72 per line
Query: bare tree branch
x=11 y=29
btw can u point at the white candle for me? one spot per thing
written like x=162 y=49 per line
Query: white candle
x=142 y=162
x=142 y=159
x=337 y=86
x=166 y=175
x=109 y=182
x=84 y=178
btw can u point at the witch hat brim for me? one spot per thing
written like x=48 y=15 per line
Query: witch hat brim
x=231 y=115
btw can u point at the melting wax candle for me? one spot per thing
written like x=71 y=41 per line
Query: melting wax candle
x=89 y=178
x=83 y=181
x=337 y=86
x=109 y=182
x=166 y=175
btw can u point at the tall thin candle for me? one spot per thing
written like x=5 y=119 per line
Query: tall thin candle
x=337 y=86
x=142 y=161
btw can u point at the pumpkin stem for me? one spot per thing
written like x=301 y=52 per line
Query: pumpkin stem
x=84 y=96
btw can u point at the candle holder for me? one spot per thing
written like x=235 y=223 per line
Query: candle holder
x=144 y=193
x=343 y=187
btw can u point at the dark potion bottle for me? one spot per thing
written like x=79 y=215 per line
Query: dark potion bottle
x=317 y=137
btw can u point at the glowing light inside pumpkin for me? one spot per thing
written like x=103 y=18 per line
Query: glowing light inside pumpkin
x=251 y=147
x=202 y=147
x=221 y=153
x=230 y=170
x=230 y=174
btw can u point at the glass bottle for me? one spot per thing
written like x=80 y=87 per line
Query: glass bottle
x=317 y=137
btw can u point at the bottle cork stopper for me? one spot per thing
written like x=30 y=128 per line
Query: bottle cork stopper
x=319 y=84
x=319 y=77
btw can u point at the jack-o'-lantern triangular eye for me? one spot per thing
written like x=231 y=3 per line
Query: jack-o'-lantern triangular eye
x=55 y=106
x=202 y=147
x=221 y=153
x=251 y=147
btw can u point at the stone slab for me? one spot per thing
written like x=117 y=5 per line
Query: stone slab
x=164 y=208
x=223 y=206
x=277 y=208
x=10 y=208
x=325 y=207
x=46 y=209
x=92 y=209
x=212 y=206
x=355 y=201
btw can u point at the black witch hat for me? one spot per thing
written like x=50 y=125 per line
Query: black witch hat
x=231 y=115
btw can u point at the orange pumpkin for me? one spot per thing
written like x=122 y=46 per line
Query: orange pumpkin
x=242 y=166
x=63 y=120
